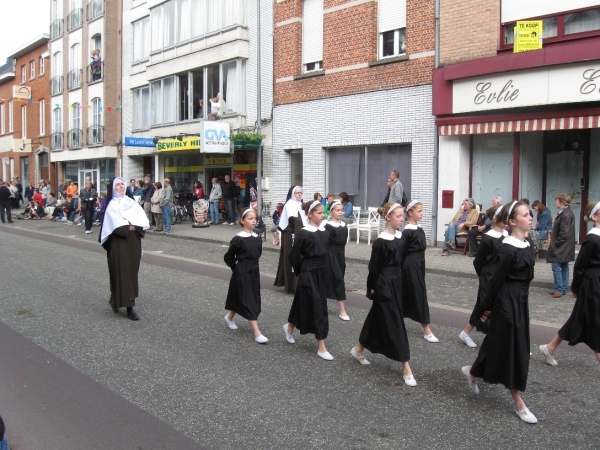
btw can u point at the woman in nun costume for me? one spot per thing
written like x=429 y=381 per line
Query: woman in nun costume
x=123 y=228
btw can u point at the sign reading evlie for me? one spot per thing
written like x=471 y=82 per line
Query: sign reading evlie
x=560 y=84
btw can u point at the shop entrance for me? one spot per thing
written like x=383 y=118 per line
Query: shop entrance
x=218 y=172
x=566 y=164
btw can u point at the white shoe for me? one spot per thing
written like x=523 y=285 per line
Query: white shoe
x=230 y=323
x=467 y=339
x=470 y=379
x=288 y=336
x=361 y=359
x=344 y=318
x=232 y=224
x=525 y=415
x=325 y=355
x=550 y=360
x=261 y=339
x=88 y=231
x=430 y=338
x=80 y=224
x=409 y=380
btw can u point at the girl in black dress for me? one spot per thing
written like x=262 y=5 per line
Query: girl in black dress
x=336 y=260
x=584 y=323
x=243 y=297
x=483 y=263
x=504 y=354
x=308 y=258
x=384 y=330
x=414 y=291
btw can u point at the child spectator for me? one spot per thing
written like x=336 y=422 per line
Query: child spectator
x=274 y=229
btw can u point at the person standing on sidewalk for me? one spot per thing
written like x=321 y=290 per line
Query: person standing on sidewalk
x=5 y=203
x=562 y=245
x=166 y=203
x=156 y=209
x=214 y=198
x=230 y=194
x=148 y=192
x=396 y=189
x=88 y=198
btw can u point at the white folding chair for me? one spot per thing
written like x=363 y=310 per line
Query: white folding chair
x=368 y=224
x=353 y=225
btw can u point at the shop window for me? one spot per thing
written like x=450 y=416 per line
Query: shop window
x=492 y=166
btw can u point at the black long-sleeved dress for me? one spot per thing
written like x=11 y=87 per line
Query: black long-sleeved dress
x=336 y=260
x=584 y=323
x=504 y=354
x=285 y=277
x=308 y=258
x=484 y=265
x=384 y=330
x=414 y=291
x=243 y=296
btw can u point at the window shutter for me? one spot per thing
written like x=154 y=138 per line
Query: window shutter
x=312 y=31
x=392 y=15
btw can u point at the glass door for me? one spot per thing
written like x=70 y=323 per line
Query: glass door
x=88 y=170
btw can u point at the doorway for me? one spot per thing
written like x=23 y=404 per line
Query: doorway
x=88 y=169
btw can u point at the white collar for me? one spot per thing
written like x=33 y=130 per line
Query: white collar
x=312 y=228
x=333 y=224
x=412 y=227
x=595 y=231
x=511 y=240
x=390 y=237
x=496 y=234
x=246 y=234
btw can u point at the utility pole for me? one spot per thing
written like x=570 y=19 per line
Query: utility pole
x=258 y=114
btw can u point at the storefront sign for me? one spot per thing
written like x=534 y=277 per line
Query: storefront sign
x=528 y=36
x=213 y=161
x=175 y=145
x=215 y=137
x=560 y=84
x=184 y=169
x=22 y=92
x=139 y=142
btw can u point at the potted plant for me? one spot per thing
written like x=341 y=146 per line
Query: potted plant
x=243 y=139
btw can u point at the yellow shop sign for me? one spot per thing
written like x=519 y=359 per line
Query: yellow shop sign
x=212 y=161
x=175 y=145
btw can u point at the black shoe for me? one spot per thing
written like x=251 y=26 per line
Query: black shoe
x=10 y=221
x=115 y=309
x=472 y=255
x=132 y=315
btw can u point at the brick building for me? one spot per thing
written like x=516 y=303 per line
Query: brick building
x=518 y=124
x=85 y=85
x=24 y=113
x=353 y=98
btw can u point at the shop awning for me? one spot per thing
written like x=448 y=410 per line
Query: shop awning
x=519 y=126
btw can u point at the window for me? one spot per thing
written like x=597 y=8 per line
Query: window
x=75 y=133
x=163 y=101
x=234 y=91
x=31 y=70
x=42 y=117
x=2 y=118
x=76 y=116
x=42 y=68
x=312 y=35
x=94 y=9
x=141 y=108
x=141 y=39
x=549 y=30
x=183 y=20
x=56 y=26
x=183 y=99
x=392 y=28
x=95 y=69
x=75 y=62
x=23 y=74
x=198 y=10
x=10 y=116
x=74 y=77
x=163 y=25
x=24 y=122
x=95 y=132
x=582 y=21
x=75 y=17
x=56 y=140
x=57 y=66
x=97 y=111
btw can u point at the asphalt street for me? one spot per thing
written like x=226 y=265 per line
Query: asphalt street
x=179 y=378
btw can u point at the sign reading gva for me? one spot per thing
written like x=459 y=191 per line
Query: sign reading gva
x=571 y=83
x=215 y=137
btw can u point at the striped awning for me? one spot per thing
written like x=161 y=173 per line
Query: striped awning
x=516 y=126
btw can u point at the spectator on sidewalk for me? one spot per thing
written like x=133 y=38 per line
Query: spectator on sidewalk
x=38 y=197
x=230 y=195
x=45 y=191
x=131 y=188
x=275 y=227
x=5 y=206
x=14 y=195
x=543 y=223
x=156 y=209
x=166 y=203
x=348 y=216
x=88 y=199
x=214 y=198
x=61 y=189
x=387 y=196
x=562 y=246
x=475 y=232
x=73 y=191
x=29 y=191
x=148 y=193
x=463 y=220
x=396 y=189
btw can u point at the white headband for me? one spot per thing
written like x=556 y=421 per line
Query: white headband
x=411 y=204
x=313 y=204
x=393 y=207
x=595 y=209
x=498 y=211
x=246 y=212
x=511 y=208
x=334 y=204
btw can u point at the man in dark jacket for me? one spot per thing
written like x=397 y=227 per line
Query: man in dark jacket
x=88 y=198
x=562 y=245
x=5 y=203
x=229 y=194
x=148 y=192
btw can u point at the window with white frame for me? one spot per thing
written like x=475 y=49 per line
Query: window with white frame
x=24 y=122
x=141 y=108
x=42 y=104
x=141 y=39
x=184 y=25
x=57 y=66
x=23 y=73
x=2 y=118
x=163 y=25
x=42 y=68
x=31 y=70
x=57 y=120
x=163 y=101
x=312 y=35
x=10 y=116
x=75 y=61
x=97 y=111
x=76 y=116
x=198 y=27
x=56 y=9
x=95 y=132
x=392 y=28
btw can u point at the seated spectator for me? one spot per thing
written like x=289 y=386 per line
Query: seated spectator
x=463 y=220
x=62 y=205
x=101 y=208
x=275 y=227
x=543 y=223
x=34 y=211
x=328 y=202
x=37 y=196
x=348 y=216
x=475 y=232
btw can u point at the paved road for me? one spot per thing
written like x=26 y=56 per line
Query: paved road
x=180 y=373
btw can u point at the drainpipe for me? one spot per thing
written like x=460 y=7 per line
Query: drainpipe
x=436 y=146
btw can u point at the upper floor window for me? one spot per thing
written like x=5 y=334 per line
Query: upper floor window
x=392 y=28
x=42 y=68
x=42 y=117
x=141 y=39
x=57 y=67
x=10 y=116
x=141 y=108
x=31 y=70
x=312 y=35
x=24 y=122
x=97 y=111
x=2 y=118
x=75 y=17
x=57 y=120
x=95 y=70
x=23 y=73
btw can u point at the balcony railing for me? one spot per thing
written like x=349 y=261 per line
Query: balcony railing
x=56 y=29
x=75 y=138
x=74 y=79
x=95 y=9
x=74 y=19
x=56 y=141
x=95 y=135
x=56 y=85
x=94 y=72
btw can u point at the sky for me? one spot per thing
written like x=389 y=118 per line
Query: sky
x=22 y=21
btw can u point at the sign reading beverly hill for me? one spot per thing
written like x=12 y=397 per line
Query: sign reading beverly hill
x=528 y=36
x=215 y=137
x=175 y=145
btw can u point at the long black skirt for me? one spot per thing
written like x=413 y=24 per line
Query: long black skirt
x=336 y=269
x=285 y=275
x=414 y=292
x=308 y=312
x=243 y=296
